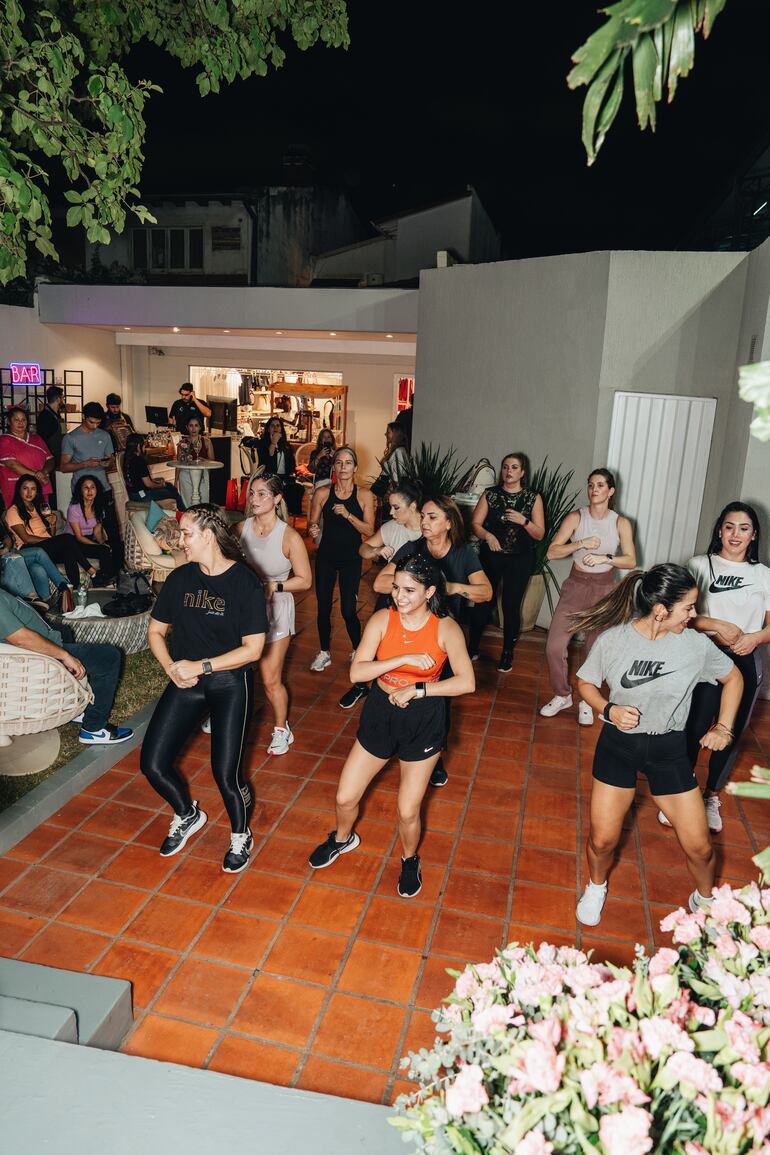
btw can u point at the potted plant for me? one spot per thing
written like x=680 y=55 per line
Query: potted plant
x=434 y=471
x=553 y=485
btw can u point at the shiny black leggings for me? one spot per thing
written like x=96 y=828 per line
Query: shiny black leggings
x=349 y=575
x=228 y=698
x=704 y=709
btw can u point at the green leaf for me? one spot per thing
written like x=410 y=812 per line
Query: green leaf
x=73 y=196
x=95 y=86
x=74 y=215
x=645 y=63
x=594 y=100
x=682 y=48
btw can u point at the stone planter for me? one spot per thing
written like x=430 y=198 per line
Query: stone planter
x=533 y=600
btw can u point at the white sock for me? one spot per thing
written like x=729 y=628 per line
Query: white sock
x=702 y=898
x=596 y=885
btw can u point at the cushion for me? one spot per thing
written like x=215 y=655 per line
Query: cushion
x=154 y=515
x=147 y=542
x=168 y=534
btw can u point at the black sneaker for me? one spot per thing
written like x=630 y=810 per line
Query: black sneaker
x=410 y=881
x=439 y=777
x=505 y=665
x=356 y=692
x=237 y=857
x=327 y=852
x=181 y=829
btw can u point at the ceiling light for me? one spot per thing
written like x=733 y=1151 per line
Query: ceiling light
x=332 y=334
x=279 y=332
x=225 y=330
x=759 y=210
x=126 y=328
x=389 y=336
x=175 y=329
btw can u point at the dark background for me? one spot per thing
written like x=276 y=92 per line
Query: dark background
x=426 y=101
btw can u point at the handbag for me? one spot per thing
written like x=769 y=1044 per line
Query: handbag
x=133 y=583
x=482 y=476
x=231 y=495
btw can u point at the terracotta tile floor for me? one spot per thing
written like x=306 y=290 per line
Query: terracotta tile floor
x=323 y=980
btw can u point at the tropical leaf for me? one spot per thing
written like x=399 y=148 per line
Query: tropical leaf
x=554 y=486
x=435 y=472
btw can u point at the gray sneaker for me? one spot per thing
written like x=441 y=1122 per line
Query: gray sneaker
x=181 y=829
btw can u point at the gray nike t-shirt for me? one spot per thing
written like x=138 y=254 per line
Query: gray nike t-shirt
x=657 y=677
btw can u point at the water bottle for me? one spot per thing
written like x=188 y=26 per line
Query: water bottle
x=81 y=598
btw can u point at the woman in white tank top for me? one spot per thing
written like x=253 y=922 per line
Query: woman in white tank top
x=275 y=551
x=599 y=541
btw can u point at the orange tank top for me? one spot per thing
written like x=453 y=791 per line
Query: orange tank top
x=398 y=640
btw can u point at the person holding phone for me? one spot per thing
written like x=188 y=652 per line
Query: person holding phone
x=32 y=523
x=85 y=521
x=88 y=450
x=186 y=406
x=651 y=663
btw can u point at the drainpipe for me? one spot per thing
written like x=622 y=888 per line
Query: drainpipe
x=251 y=209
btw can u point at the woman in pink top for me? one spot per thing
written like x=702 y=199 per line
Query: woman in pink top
x=599 y=541
x=22 y=452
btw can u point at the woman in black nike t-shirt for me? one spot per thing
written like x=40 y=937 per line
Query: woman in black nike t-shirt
x=216 y=609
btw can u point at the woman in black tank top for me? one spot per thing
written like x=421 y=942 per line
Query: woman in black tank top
x=348 y=514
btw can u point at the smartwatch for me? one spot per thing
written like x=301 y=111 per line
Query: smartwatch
x=606 y=711
x=420 y=688
x=279 y=587
x=206 y=664
x=609 y=556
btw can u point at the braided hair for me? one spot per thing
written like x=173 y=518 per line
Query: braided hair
x=209 y=516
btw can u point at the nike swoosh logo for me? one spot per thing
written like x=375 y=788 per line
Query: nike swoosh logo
x=715 y=589
x=631 y=683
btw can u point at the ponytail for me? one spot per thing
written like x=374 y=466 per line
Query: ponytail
x=636 y=596
x=613 y=610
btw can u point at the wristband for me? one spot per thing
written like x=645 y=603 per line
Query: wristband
x=279 y=587
x=606 y=711
x=206 y=666
x=420 y=688
x=526 y=521
x=609 y=556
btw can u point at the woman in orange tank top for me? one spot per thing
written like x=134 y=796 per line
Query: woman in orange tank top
x=404 y=648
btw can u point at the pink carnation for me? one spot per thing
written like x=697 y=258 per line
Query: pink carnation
x=494 y=1018
x=605 y=1085
x=659 y=1035
x=682 y=917
x=534 y=1143
x=467 y=1094
x=703 y=1015
x=546 y=1031
x=725 y=946
x=466 y=985
x=663 y=961
x=724 y=909
x=741 y=1035
x=689 y=929
x=622 y=1042
x=541 y=1069
x=570 y=956
x=693 y=1148
x=760 y=936
x=699 y=1074
x=627 y=1132
x=760 y=989
x=753 y=1076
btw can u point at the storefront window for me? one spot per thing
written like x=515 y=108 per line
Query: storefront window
x=140 y=248
x=176 y=248
x=196 y=248
x=158 y=248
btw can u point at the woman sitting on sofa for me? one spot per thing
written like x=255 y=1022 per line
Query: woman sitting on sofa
x=85 y=521
x=140 y=485
x=33 y=523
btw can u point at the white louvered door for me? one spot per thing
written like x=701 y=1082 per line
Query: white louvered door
x=659 y=450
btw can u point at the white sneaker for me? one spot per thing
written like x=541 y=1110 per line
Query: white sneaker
x=592 y=900
x=281 y=740
x=697 y=903
x=585 y=714
x=206 y=725
x=662 y=819
x=557 y=703
x=322 y=659
x=713 y=816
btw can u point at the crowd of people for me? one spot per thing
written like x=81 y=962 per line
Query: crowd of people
x=670 y=662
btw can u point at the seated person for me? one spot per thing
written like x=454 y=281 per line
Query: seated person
x=33 y=523
x=85 y=521
x=140 y=485
x=21 y=626
x=26 y=573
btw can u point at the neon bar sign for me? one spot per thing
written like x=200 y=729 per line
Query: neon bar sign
x=26 y=373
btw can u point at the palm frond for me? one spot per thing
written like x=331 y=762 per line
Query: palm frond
x=554 y=486
x=434 y=471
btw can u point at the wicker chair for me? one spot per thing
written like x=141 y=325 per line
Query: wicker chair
x=142 y=551
x=37 y=695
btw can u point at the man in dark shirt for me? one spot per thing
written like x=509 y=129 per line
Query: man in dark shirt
x=404 y=421
x=51 y=425
x=117 y=423
x=187 y=406
x=21 y=626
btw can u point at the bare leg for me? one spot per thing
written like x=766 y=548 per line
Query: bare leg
x=359 y=770
x=271 y=672
x=687 y=815
x=415 y=777
x=609 y=806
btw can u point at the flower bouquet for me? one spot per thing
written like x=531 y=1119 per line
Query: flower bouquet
x=549 y=1052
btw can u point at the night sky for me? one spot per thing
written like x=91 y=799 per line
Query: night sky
x=424 y=103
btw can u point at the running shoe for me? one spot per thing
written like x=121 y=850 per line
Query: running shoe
x=662 y=819
x=329 y=851
x=237 y=857
x=322 y=659
x=109 y=735
x=505 y=665
x=439 y=777
x=698 y=904
x=206 y=725
x=356 y=692
x=591 y=904
x=557 y=703
x=281 y=740
x=410 y=880
x=585 y=714
x=181 y=829
x=712 y=813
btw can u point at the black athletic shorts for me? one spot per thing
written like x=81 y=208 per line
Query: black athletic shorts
x=663 y=758
x=413 y=733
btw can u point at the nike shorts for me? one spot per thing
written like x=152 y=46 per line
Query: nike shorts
x=412 y=733
x=619 y=756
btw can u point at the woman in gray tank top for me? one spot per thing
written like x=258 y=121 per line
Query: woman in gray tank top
x=599 y=541
x=277 y=554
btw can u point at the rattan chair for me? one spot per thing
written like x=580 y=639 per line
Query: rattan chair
x=37 y=695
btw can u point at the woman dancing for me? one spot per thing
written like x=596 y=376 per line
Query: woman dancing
x=592 y=537
x=403 y=526
x=735 y=602
x=405 y=649
x=508 y=521
x=277 y=554
x=651 y=664
x=216 y=608
x=347 y=511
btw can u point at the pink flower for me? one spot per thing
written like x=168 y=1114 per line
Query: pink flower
x=728 y=909
x=659 y=1035
x=760 y=989
x=693 y=1148
x=689 y=929
x=622 y=1042
x=725 y=946
x=748 y=952
x=627 y=1132
x=467 y=1094
x=741 y=1035
x=546 y=1031
x=699 y=1074
x=570 y=956
x=735 y=990
x=605 y=1085
x=753 y=1076
x=703 y=1015
x=663 y=961
x=760 y=936
x=494 y=1018
x=541 y=1069
x=582 y=978
x=466 y=985
x=534 y=1143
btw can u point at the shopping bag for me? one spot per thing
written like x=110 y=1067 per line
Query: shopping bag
x=231 y=494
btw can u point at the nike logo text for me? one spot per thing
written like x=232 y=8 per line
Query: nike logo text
x=726 y=582
x=641 y=672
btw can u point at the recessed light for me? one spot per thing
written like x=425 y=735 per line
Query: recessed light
x=279 y=332
x=126 y=328
x=332 y=334
x=389 y=336
x=175 y=329
x=225 y=330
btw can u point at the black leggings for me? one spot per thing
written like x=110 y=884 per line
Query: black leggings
x=64 y=549
x=227 y=697
x=705 y=708
x=515 y=569
x=326 y=574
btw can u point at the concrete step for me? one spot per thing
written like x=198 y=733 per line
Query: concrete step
x=43 y=1020
x=102 y=1006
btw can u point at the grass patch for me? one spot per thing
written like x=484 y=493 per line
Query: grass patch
x=141 y=681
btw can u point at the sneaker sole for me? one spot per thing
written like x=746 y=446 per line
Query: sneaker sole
x=439 y=785
x=585 y=723
x=202 y=820
x=350 y=705
x=237 y=869
x=323 y=865
x=505 y=669
x=104 y=742
x=553 y=713
x=402 y=895
x=277 y=753
x=320 y=669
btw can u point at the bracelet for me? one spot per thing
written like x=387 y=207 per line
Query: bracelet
x=727 y=730
x=606 y=711
x=526 y=521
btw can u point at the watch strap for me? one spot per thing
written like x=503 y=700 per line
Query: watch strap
x=279 y=587
x=420 y=687
x=206 y=665
x=606 y=711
